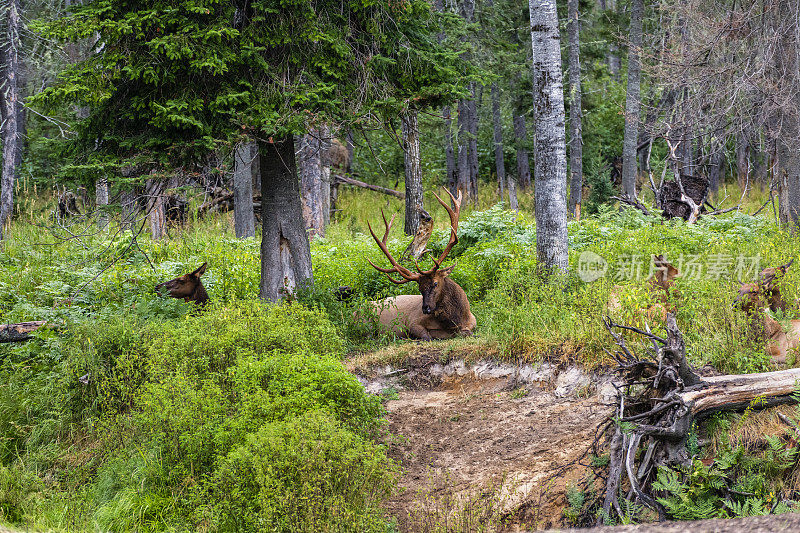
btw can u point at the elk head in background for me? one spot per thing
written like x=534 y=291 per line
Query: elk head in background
x=764 y=292
x=442 y=310
x=189 y=287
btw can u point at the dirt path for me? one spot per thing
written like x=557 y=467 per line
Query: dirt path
x=473 y=449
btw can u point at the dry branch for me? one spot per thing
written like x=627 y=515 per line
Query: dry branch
x=19 y=332
x=350 y=181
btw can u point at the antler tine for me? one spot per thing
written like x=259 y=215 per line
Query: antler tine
x=397 y=268
x=454 y=214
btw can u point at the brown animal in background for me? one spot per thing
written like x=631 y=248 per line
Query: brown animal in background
x=189 y=287
x=661 y=285
x=764 y=292
x=442 y=310
x=754 y=298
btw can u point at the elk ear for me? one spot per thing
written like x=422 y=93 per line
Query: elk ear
x=200 y=271
x=672 y=272
x=785 y=267
x=447 y=271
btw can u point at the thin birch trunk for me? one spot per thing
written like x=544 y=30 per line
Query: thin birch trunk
x=11 y=101
x=550 y=145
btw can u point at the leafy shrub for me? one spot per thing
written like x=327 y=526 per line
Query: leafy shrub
x=308 y=473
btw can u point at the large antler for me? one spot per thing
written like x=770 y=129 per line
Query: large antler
x=398 y=268
x=454 y=214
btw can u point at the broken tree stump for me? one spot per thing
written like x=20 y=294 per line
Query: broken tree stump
x=19 y=332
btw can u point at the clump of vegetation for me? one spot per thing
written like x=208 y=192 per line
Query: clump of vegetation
x=188 y=418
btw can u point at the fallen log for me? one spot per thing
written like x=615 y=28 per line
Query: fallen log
x=19 y=332
x=377 y=188
x=657 y=403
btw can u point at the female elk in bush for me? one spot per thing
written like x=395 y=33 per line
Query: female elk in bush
x=442 y=310
x=189 y=287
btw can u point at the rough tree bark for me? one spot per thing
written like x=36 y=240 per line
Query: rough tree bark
x=632 y=102
x=499 y=161
x=255 y=166
x=576 y=137
x=156 y=217
x=309 y=166
x=325 y=175
x=243 y=218
x=473 y=146
x=11 y=101
x=101 y=199
x=462 y=180
x=521 y=141
x=550 y=145
x=716 y=165
x=413 y=171
x=450 y=157
x=285 y=253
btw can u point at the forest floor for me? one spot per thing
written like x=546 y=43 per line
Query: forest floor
x=487 y=442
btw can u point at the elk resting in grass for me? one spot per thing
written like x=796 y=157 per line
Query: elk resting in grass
x=754 y=298
x=189 y=287
x=442 y=310
x=661 y=285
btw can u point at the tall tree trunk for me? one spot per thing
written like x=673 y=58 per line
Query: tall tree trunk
x=632 y=101
x=463 y=148
x=716 y=165
x=742 y=161
x=130 y=208
x=576 y=137
x=450 y=158
x=612 y=55
x=513 y=203
x=499 y=160
x=410 y=133
x=255 y=166
x=243 y=218
x=11 y=100
x=310 y=170
x=154 y=192
x=550 y=145
x=473 y=145
x=101 y=200
x=325 y=175
x=285 y=253
x=523 y=163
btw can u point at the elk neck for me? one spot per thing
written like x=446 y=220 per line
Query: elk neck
x=453 y=305
x=199 y=296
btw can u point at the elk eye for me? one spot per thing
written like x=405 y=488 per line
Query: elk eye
x=435 y=283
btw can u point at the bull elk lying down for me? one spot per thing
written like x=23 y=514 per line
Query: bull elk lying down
x=187 y=287
x=661 y=285
x=754 y=298
x=442 y=310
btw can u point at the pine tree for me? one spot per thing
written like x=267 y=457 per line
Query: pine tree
x=172 y=81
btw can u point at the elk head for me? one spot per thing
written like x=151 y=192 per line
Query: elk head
x=665 y=272
x=752 y=296
x=189 y=287
x=433 y=283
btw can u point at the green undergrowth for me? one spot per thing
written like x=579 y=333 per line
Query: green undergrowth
x=131 y=411
x=238 y=418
